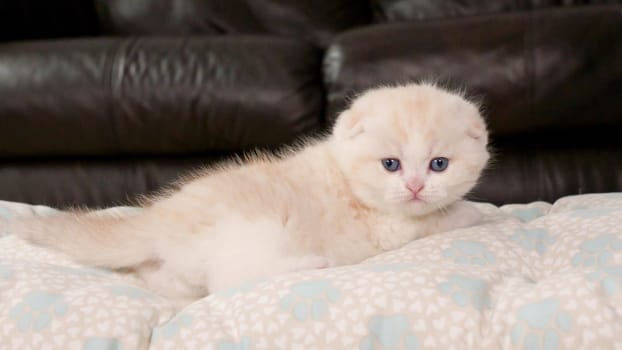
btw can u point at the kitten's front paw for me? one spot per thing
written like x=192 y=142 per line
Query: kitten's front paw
x=463 y=214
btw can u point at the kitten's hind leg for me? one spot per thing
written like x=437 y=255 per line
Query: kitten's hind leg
x=238 y=250
x=231 y=276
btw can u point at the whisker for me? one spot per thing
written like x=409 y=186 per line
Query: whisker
x=442 y=209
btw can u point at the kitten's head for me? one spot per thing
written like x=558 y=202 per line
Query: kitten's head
x=413 y=148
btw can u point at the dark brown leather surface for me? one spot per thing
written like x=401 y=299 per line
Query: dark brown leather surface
x=314 y=21
x=527 y=175
x=152 y=96
x=410 y=10
x=94 y=182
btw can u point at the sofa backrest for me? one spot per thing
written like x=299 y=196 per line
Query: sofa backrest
x=311 y=20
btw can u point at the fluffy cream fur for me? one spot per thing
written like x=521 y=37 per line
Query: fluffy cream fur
x=330 y=203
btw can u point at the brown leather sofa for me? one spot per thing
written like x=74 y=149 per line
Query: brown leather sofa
x=103 y=100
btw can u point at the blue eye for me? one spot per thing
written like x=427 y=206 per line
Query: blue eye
x=439 y=164
x=391 y=164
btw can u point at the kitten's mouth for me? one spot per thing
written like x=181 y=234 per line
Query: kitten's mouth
x=416 y=198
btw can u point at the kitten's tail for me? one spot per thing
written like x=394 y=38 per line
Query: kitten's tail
x=103 y=240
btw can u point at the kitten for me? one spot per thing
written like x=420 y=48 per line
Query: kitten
x=394 y=169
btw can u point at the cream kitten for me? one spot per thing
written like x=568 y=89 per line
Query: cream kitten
x=394 y=169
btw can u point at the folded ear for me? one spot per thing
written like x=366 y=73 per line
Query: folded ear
x=348 y=125
x=477 y=130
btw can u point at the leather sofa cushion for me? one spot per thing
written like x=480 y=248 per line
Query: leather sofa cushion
x=538 y=70
x=314 y=21
x=527 y=174
x=92 y=182
x=411 y=10
x=156 y=95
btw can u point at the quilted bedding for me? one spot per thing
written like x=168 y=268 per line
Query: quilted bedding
x=536 y=276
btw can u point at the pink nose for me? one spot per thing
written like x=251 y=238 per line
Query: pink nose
x=415 y=186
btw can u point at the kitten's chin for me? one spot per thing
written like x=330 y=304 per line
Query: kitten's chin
x=411 y=207
x=422 y=206
x=417 y=207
